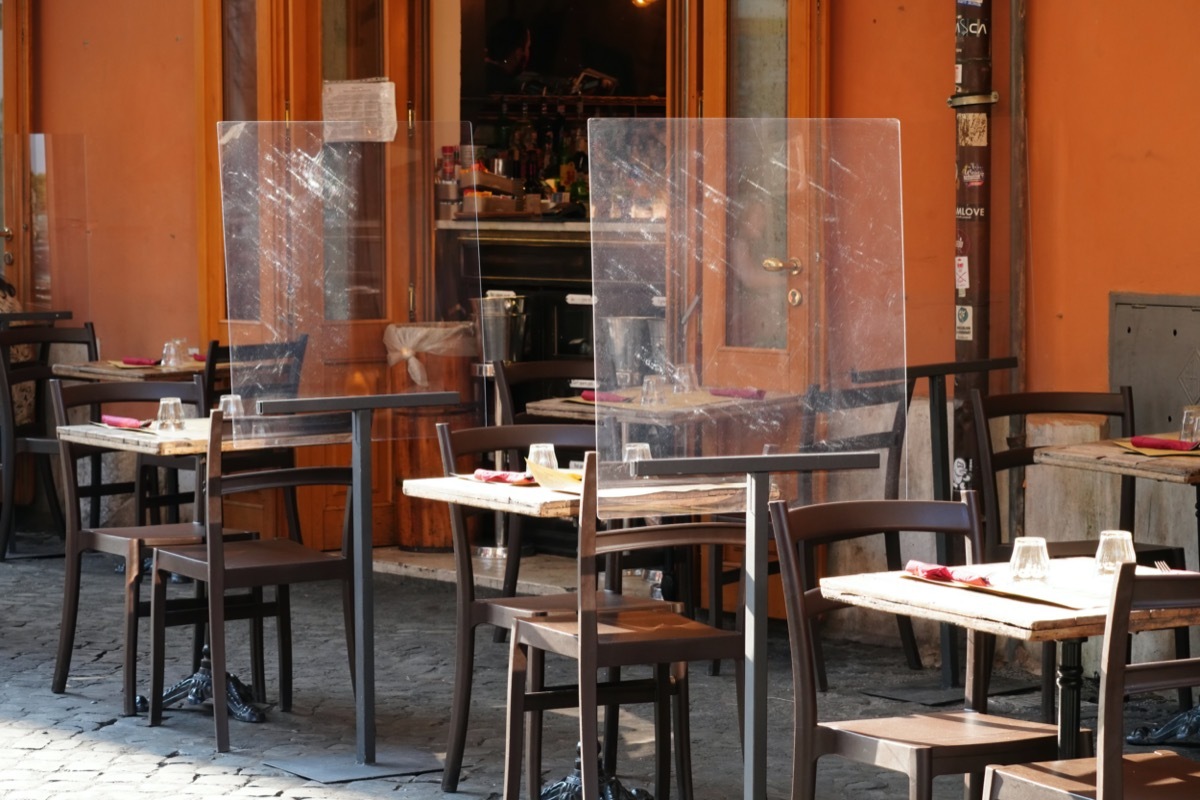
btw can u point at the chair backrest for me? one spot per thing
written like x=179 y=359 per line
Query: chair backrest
x=799 y=530
x=264 y=369
x=26 y=361
x=139 y=397
x=466 y=448
x=1148 y=592
x=517 y=382
x=820 y=404
x=1017 y=453
x=595 y=543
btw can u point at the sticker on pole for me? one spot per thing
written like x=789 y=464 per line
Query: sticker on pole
x=962 y=275
x=964 y=324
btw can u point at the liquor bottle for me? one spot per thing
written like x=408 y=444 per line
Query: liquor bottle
x=504 y=134
x=517 y=143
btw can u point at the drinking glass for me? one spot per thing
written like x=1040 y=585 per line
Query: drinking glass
x=1030 y=560
x=170 y=414
x=543 y=455
x=654 y=390
x=685 y=379
x=1115 y=548
x=1189 y=429
x=231 y=406
x=635 y=451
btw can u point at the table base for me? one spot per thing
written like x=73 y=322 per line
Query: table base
x=1181 y=729
x=198 y=687
x=571 y=787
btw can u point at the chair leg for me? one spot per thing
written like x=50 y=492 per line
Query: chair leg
x=1183 y=645
x=216 y=654
x=291 y=511
x=682 y=727
x=158 y=635
x=589 y=765
x=8 y=475
x=97 y=466
x=283 y=626
x=200 y=629
x=536 y=681
x=612 y=722
x=133 y=582
x=662 y=731
x=460 y=701
x=1049 y=668
x=70 y=617
x=515 y=722
x=512 y=566
x=258 y=669
x=908 y=639
x=920 y=779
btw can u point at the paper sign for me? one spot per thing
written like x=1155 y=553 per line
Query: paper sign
x=964 y=324
x=359 y=111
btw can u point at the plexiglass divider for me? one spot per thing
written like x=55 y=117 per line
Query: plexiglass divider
x=60 y=268
x=743 y=271
x=307 y=230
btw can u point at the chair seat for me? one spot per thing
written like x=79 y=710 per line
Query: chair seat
x=116 y=540
x=954 y=729
x=636 y=637
x=503 y=610
x=246 y=562
x=1162 y=775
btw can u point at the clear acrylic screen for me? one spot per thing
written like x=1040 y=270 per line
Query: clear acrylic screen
x=744 y=272
x=301 y=261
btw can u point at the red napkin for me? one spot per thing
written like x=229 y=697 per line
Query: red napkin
x=936 y=572
x=120 y=422
x=1155 y=443
x=745 y=394
x=501 y=476
x=139 y=362
x=607 y=397
x=199 y=356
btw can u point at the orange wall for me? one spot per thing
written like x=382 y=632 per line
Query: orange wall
x=1112 y=120
x=124 y=80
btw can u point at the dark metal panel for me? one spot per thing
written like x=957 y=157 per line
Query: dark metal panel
x=1154 y=346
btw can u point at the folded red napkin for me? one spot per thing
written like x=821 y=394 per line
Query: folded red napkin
x=1155 y=443
x=607 y=397
x=745 y=394
x=501 y=476
x=199 y=356
x=936 y=572
x=120 y=422
x=139 y=362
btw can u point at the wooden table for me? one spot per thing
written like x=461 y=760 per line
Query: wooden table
x=677 y=409
x=1032 y=621
x=324 y=767
x=108 y=370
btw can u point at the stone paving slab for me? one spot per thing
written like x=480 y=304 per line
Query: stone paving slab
x=78 y=745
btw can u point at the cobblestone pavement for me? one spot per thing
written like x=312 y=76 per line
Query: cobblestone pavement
x=78 y=745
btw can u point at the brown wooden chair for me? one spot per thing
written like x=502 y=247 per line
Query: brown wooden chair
x=921 y=745
x=1113 y=775
x=462 y=451
x=246 y=564
x=132 y=544
x=27 y=360
x=1017 y=453
x=599 y=640
x=518 y=382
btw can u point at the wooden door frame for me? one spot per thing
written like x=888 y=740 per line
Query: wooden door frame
x=18 y=93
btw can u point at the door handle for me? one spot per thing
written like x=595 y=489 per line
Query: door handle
x=7 y=233
x=794 y=265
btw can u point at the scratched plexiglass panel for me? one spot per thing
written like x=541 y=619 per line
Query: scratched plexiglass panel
x=747 y=274
x=317 y=262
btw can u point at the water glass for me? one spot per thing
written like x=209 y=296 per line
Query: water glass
x=654 y=390
x=543 y=455
x=170 y=414
x=685 y=379
x=1115 y=547
x=174 y=353
x=1030 y=559
x=1189 y=429
x=635 y=451
x=231 y=406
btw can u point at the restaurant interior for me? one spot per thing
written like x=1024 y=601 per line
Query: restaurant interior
x=659 y=331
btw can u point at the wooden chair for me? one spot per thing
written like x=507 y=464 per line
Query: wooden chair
x=462 y=450
x=1112 y=775
x=246 y=564
x=661 y=637
x=26 y=360
x=517 y=382
x=1018 y=454
x=818 y=405
x=132 y=544
x=921 y=745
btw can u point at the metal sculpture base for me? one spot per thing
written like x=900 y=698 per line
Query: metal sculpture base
x=1181 y=729
x=571 y=787
x=198 y=688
